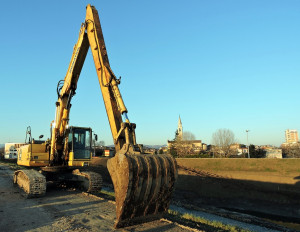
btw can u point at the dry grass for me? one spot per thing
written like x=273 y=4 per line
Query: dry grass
x=284 y=171
x=202 y=223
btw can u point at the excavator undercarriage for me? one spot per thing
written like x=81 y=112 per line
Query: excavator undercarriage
x=34 y=183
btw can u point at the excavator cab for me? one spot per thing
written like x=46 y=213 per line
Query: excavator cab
x=79 y=146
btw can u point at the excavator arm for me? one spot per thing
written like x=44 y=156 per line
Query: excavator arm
x=65 y=93
x=143 y=183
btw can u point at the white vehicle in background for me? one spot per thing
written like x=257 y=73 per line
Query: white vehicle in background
x=11 y=150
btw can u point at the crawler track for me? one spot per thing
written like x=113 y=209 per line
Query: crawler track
x=95 y=181
x=32 y=182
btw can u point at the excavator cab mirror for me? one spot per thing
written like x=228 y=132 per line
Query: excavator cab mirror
x=41 y=136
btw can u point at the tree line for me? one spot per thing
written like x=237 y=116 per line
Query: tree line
x=223 y=145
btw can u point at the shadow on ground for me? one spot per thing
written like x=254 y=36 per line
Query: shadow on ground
x=263 y=199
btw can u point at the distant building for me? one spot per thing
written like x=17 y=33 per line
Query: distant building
x=291 y=136
x=11 y=150
x=270 y=151
x=239 y=148
x=265 y=147
x=164 y=149
x=148 y=150
x=242 y=150
x=274 y=153
x=194 y=145
x=290 y=145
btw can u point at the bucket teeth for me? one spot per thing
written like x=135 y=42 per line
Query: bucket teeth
x=143 y=186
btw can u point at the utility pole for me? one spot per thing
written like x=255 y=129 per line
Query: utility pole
x=248 y=143
x=95 y=139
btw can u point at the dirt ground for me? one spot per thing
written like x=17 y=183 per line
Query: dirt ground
x=275 y=201
x=268 y=189
x=271 y=195
x=62 y=210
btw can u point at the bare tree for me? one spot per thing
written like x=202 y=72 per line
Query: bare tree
x=291 y=150
x=2 y=153
x=187 y=135
x=100 y=143
x=180 y=146
x=222 y=139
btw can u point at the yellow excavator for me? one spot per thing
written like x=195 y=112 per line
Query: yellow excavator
x=143 y=183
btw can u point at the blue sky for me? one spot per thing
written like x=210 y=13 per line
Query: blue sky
x=219 y=64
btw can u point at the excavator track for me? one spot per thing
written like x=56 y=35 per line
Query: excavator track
x=90 y=181
x=31 y=182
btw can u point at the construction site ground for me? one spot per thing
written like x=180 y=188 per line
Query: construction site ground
x=197 y=193
x=62 y=209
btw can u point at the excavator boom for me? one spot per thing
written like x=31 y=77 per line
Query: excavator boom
x=143 y=183
x=65 y=93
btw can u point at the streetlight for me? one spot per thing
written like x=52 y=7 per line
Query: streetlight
x=248 y=143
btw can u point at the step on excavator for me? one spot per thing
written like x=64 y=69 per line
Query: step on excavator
x=143 y=183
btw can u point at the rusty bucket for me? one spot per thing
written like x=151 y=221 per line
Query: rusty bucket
x=143 y=186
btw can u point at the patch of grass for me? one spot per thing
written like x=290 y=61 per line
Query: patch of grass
x=11 y=164
x=201 y=223
x=112 y=194
x=107 y=195
x=269 y=170
x=294 y=226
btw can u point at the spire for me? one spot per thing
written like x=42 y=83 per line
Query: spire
x=179 y=129
x=179 y=122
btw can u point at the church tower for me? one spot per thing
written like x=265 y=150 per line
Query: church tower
x=179 y=129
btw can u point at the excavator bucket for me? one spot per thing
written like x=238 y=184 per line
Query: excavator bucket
x=143 y=186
